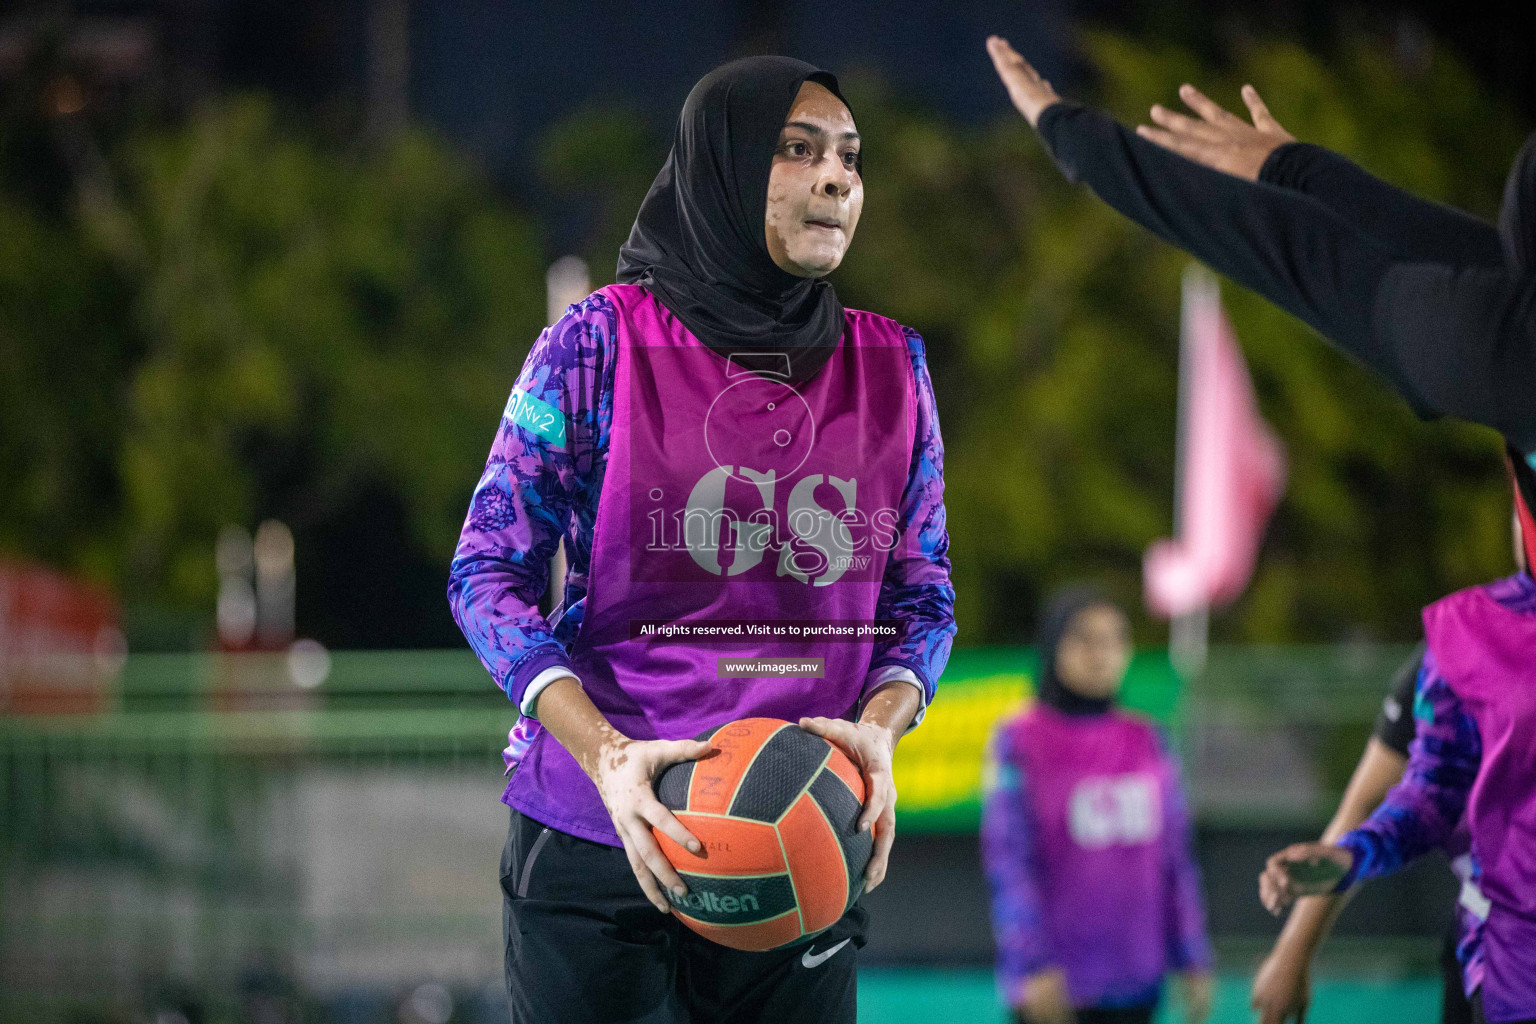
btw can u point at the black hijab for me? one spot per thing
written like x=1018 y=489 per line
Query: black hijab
x=698 y=242
x=1055 y=619
x=1517 y=230
x=1517 y=217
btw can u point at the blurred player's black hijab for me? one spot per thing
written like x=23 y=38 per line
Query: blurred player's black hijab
x=1517 y=218
x=1517 y=230
x=1055 y=619
x=698 y=243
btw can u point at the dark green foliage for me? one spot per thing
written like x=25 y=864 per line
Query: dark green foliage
x=227 y=320
x=256 y=326
x=1052 y=331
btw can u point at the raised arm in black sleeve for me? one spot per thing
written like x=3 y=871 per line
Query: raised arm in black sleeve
x=1412 y=227
x=1315 y=264
x=1394 y=726
x=1467 y=337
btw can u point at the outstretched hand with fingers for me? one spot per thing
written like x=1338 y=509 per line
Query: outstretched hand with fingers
x=1030 y=93
x=626 y=774
x=1218 y=138
x=870 y=747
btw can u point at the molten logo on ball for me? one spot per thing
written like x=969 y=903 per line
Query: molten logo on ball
x=713 y=903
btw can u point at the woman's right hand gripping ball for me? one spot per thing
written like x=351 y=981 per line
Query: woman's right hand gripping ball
x=625 y=773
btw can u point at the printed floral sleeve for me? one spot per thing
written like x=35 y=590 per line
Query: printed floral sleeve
x=1422 y=810
x=1189 y=946
x=916 y=588
x=539 y=485
x=1009 y=858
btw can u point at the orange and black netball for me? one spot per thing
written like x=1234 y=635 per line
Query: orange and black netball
x=776 y=809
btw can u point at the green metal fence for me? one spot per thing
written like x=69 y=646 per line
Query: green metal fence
x=223 y=830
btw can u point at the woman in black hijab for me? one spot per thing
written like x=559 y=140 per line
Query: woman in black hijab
x=1086 y=839
x=1092 y=692
x=699 y=243
x=625 y=411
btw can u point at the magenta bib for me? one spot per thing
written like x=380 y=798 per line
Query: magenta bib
x=1487 y=654
x=1096 y=787
x=736 y=503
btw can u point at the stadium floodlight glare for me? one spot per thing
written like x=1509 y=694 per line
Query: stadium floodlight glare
x=309 y=663
x=235 y=612
x=566 y=282
x=275 y=584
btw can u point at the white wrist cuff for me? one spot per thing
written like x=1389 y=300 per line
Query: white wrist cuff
x=543 y=679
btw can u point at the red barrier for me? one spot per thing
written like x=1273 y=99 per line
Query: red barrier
x=61 y=644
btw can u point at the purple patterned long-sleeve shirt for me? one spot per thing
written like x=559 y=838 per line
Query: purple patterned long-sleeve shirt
x=542 y=482
x=1422 y=811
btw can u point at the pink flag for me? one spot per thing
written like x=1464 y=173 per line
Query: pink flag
x=1231 y=467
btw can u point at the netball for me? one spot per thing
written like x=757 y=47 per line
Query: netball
x=776 y=810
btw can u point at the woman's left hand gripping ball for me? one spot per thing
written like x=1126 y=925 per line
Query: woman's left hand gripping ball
x=870 y=747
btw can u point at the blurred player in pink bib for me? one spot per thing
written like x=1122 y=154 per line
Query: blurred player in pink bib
x=1086 y=839
x=1472 y=761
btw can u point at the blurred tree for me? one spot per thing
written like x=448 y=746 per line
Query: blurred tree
x=1052 y=330
x=241 y=323
x=603 y=159
x=230 y=321
x=316 y=323
x=64 y=349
